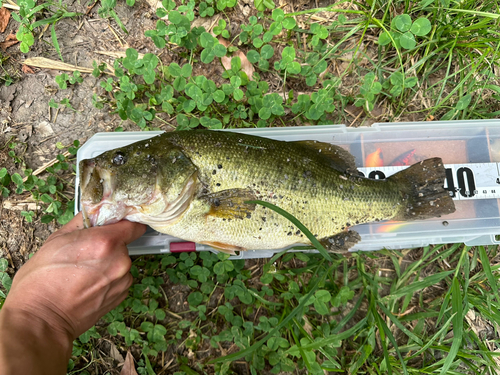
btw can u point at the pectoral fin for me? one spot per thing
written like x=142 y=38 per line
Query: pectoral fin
x=230 y=204
x=341 y=242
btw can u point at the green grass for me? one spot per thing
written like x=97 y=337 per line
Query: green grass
x=369 y=313
x=434 y=310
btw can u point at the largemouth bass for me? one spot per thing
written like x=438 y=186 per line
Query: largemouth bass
x=196 y=185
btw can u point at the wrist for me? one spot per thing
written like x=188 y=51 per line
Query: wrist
x=30 y=344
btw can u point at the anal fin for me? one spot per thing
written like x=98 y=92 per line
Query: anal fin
x=341 y=242
x=224 y=247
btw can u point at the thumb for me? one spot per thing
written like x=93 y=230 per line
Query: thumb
x=124 y=231
x=74 y=224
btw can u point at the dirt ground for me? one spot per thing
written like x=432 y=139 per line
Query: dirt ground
x=26 y=118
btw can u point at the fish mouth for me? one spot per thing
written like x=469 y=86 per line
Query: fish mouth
x=105 y=213
x=86 y=219
x=87 y=168
x=100 y=206
x=97 y=188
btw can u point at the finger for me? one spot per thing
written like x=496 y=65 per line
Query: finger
x=127 y=281
x=75 y=224
x=121 y=264
x=124 y=231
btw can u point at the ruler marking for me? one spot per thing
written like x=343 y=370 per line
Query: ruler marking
x=465 y=181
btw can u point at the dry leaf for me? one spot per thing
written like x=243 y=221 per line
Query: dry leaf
x=42 y=62
x=4 y=19
x=27 y=70
x=115 y=354
x=223 y=41
x=9 y=41
x=155 y=4
x=20 y=206
x=5 y=45
x=246 y=66
x=128 y=367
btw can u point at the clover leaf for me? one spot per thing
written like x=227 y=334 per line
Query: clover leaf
x=220 y=29
x=223 y=4
x=261 y=5
x=401 y=22
x=421 y=26
x=403 y=31
x=287 y=61
x=320 y=32
x=205 y=10
x=210 y=123
x=158 y=34
x=271 y=105
x=212 y=48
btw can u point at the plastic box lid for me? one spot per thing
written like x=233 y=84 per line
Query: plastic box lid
x=475 y=222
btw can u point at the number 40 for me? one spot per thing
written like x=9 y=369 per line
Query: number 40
x=465 y=181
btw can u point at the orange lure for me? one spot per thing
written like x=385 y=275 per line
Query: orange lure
x=375 y=159
x=404 y=158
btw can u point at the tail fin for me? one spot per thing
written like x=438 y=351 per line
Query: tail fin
x=422 y=187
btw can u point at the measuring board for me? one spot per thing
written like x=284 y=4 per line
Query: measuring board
x=470 y=151
x=463 y=181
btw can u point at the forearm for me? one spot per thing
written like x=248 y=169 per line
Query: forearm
x=29 y=345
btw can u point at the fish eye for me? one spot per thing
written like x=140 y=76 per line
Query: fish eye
x=119 y=158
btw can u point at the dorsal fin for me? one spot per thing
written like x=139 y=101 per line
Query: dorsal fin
x=338 y=158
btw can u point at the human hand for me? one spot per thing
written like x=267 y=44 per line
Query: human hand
x=76 y=277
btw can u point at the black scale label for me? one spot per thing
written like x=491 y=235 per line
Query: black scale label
x=463 y=181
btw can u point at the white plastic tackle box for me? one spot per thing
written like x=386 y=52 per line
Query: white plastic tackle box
x=470 y=150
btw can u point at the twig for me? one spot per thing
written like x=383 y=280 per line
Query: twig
x=356 y=119
x=51 y=137
x=43 y=31
x=116 y=54
x=57 y=114
x=165 y=368
x=45 y=166
x=214 y=22
x=9 y=6
x=30 y=205
x=173 y=314
x=116 y=35
x=42 y=62
x=89 y=8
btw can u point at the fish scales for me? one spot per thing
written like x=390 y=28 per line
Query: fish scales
x=288 y=176
x=315 y=182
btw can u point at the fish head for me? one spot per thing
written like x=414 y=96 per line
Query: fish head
x=117 y=183
x=148 y=181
